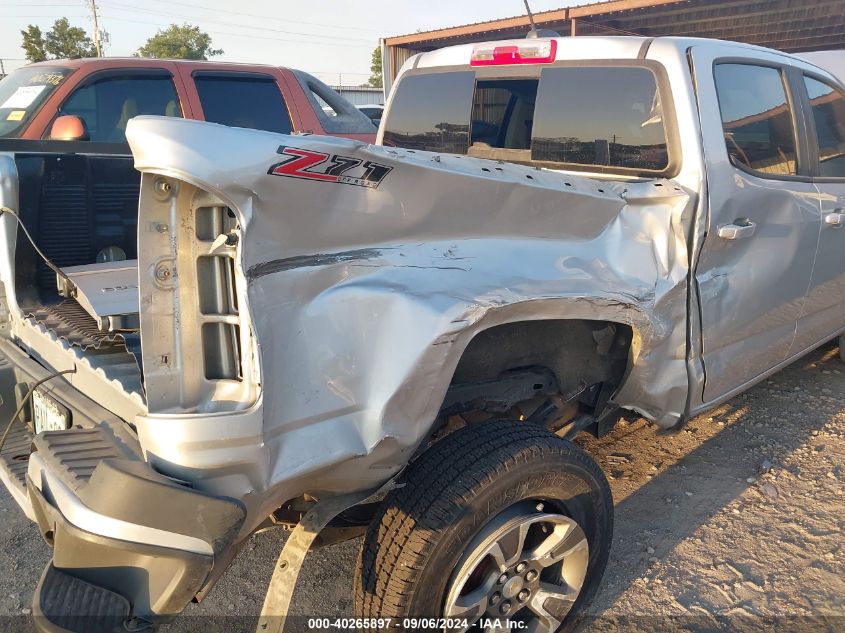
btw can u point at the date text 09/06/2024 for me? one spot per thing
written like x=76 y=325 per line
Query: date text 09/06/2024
x=410 y=624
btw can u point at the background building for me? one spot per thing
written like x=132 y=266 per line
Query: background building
x=787 y=25
x=361 y=95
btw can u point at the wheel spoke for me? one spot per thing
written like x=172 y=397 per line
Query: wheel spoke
x=508 y=549
x=470 y=606
x=566 y=539
x=550 y=604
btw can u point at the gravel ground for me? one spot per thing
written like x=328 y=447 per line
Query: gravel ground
x=735 y=522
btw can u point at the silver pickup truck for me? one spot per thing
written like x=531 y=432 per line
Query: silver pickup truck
x=401 y=340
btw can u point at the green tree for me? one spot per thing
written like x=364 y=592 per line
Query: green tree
x=64 y=41
x=179 y=42
x=375 y=69
x=33 y=44
x=61 y=42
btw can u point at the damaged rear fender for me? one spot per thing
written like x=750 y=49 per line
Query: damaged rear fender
x=361 y=296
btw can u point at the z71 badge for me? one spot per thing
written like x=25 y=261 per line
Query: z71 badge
x=311 y=165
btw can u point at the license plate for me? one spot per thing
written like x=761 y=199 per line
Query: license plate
x=47 y=414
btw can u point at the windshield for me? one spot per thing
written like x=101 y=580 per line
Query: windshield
x=23 y=92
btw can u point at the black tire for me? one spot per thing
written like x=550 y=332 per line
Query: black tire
x=422 y=529
x=842 y=347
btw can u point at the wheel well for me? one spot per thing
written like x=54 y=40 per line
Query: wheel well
x=514 y=368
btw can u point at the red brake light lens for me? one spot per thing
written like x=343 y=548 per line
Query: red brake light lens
x=531 y=51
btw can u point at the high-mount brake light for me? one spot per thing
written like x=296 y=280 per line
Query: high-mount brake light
x=532 y=51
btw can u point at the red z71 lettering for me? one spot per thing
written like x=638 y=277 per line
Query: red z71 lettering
x=311 y=165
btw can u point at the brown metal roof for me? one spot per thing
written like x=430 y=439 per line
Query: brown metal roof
x=788 y=25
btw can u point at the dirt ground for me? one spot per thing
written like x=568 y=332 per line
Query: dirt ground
x=735 y=522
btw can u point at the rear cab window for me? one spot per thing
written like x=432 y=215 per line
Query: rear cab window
x=585 y=117
x=23 y=92
x=109 y=99
x=248 y=100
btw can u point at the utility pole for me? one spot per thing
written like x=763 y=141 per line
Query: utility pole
x=97 y=44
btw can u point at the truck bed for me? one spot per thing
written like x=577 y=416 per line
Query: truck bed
x=81 y=210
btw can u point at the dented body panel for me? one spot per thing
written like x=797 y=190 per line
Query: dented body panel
x=362 y=299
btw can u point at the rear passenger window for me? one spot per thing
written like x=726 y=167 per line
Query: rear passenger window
x=107 y=105
x=600 y=116
x=828 y=106
x=756 y=118
x=243 y=101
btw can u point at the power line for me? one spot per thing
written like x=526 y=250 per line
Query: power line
x=264 y=17
x=249 y=35
x=606 y=27
x=125 y=7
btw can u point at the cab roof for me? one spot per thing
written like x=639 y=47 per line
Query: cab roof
x=589 y=47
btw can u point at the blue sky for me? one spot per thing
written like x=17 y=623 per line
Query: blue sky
x=328 y=38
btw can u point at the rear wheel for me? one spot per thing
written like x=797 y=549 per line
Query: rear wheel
x=500 y=520
x=842 y=347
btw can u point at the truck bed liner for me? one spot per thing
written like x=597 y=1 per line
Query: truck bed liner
x=70 y=322
x=115 y=354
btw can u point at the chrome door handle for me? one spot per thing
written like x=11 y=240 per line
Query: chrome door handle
x=835 y=219
x=739 y=230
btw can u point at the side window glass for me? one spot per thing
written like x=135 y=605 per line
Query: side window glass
x=250 y=102
x=756 y=118
x=828 y=106
x=107 y=105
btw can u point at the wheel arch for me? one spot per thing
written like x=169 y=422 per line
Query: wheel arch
x=577 y=355
x=476 y=332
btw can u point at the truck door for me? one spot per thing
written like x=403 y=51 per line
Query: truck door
x=824 y=310
x=757 y=258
